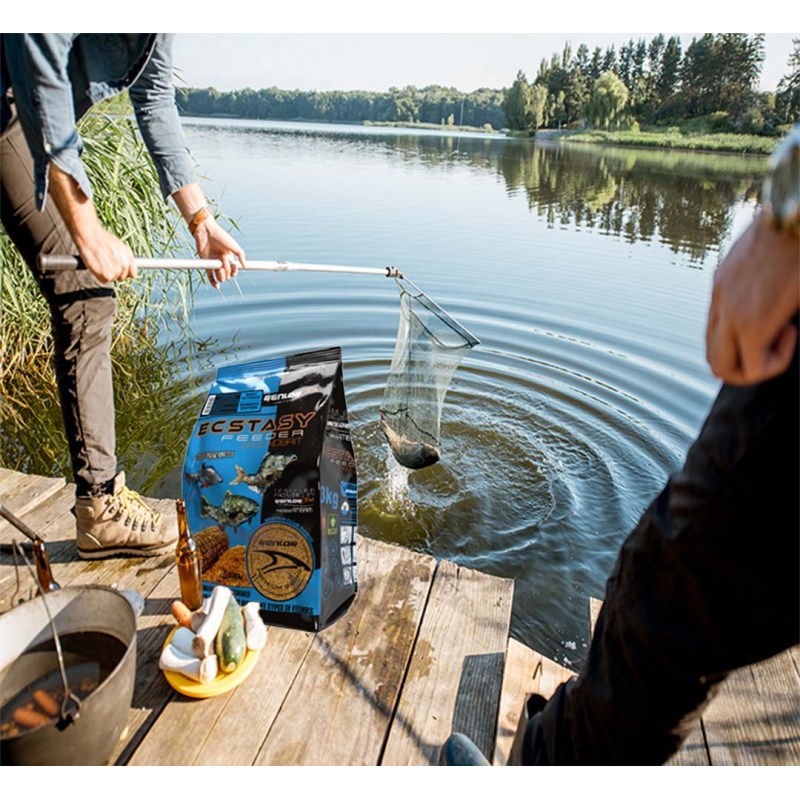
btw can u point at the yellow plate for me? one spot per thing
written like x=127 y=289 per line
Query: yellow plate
x=224 y=682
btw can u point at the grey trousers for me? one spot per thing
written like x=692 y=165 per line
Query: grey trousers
x=82 y=311
x=707 y=582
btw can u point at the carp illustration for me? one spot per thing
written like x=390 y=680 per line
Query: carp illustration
x=269 y=470
x=233 y=510
x=206 y=476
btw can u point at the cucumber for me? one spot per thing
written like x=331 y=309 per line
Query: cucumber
x=231 y=642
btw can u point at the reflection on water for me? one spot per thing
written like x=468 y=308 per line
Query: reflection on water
x=584 y=272
x=682 y=199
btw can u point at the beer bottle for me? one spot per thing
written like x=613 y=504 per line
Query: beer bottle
x=188 y=557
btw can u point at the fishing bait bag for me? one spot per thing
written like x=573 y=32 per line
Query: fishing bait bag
x=270 y=485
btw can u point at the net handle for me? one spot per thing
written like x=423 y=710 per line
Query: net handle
x=49 y=262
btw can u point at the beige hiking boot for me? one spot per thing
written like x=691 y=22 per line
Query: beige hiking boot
x=122 y=524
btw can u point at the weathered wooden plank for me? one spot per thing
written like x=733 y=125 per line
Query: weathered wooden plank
x=755 y=717
x=455 y=676
x=693 y=751
x=224 y=730
x=594 y=612
x=40 y=517
x=47 y=519
x=178 y=732
x=735 y=726
x=22 y=493
x=527 y=672
x=68 y=569
x=794 y=654
x=11 y=481
x=779 y=685
x=62 y=554
x=242 y=726
x=341 y=702
x=7 y=476
x=151 y=691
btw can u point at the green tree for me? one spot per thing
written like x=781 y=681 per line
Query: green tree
x=720 y=72
x=610 y=59
x=667 y=80
x=576 y=92
x=538 y=106
x=742 y=58
x=517 y=104
x=624 y=63
x=638 y=84
x=654 y=53
x=609 y=98
x=557 y=110
x=581 y=62
x=787 y=97
x=596 y=65
x=700 y=75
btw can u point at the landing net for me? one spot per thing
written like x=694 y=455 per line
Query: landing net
x=429 y=347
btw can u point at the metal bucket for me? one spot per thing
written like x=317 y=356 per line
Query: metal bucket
x=88 y=734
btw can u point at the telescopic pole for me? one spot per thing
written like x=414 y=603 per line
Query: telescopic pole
x=50 y=262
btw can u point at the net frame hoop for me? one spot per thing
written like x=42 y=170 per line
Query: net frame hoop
x=470 y=340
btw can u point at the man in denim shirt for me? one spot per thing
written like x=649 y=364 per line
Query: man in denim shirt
x=48 y=82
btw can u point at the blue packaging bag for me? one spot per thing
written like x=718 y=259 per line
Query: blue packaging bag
x=270 y=487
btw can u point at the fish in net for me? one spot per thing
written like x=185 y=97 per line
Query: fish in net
x=429 y=347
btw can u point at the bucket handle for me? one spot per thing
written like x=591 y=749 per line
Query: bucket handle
x=67 y=716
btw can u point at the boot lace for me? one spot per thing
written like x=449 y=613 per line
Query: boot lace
x=136 y=511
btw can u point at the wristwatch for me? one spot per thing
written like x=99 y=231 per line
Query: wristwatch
x=781 y=189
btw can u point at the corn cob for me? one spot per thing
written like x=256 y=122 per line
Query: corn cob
x=212 y=543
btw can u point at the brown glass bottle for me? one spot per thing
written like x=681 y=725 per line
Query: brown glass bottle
x=188 y=557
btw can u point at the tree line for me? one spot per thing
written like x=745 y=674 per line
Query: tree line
x=432 y=105
x=657 y=83
x=650 y=83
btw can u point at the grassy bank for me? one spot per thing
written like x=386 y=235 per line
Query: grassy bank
x=675 y=139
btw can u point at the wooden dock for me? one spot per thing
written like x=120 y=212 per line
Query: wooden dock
x=424 y=650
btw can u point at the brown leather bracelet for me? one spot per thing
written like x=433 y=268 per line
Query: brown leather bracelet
x=200 y=216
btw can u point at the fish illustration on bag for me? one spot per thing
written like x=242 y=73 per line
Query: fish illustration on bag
x=233 y=510
x=206 y=476
x=269 y=470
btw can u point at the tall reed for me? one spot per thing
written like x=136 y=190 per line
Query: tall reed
x=129 y=203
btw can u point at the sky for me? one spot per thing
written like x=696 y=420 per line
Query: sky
x=364 y=44
x=378 y=61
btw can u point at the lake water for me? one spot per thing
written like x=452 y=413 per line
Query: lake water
x=585 y=274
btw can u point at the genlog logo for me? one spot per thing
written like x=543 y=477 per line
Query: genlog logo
x=279 y=561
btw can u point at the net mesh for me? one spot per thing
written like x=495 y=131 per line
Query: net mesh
x=429 y=347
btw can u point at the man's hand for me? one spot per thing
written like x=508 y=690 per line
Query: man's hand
x=210 y=239
x=214 y=242
x=107 y=257
x=750 y=336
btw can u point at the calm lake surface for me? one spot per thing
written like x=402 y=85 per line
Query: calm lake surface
x=585 y=273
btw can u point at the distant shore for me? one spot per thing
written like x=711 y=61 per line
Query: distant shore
x=668 y=139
